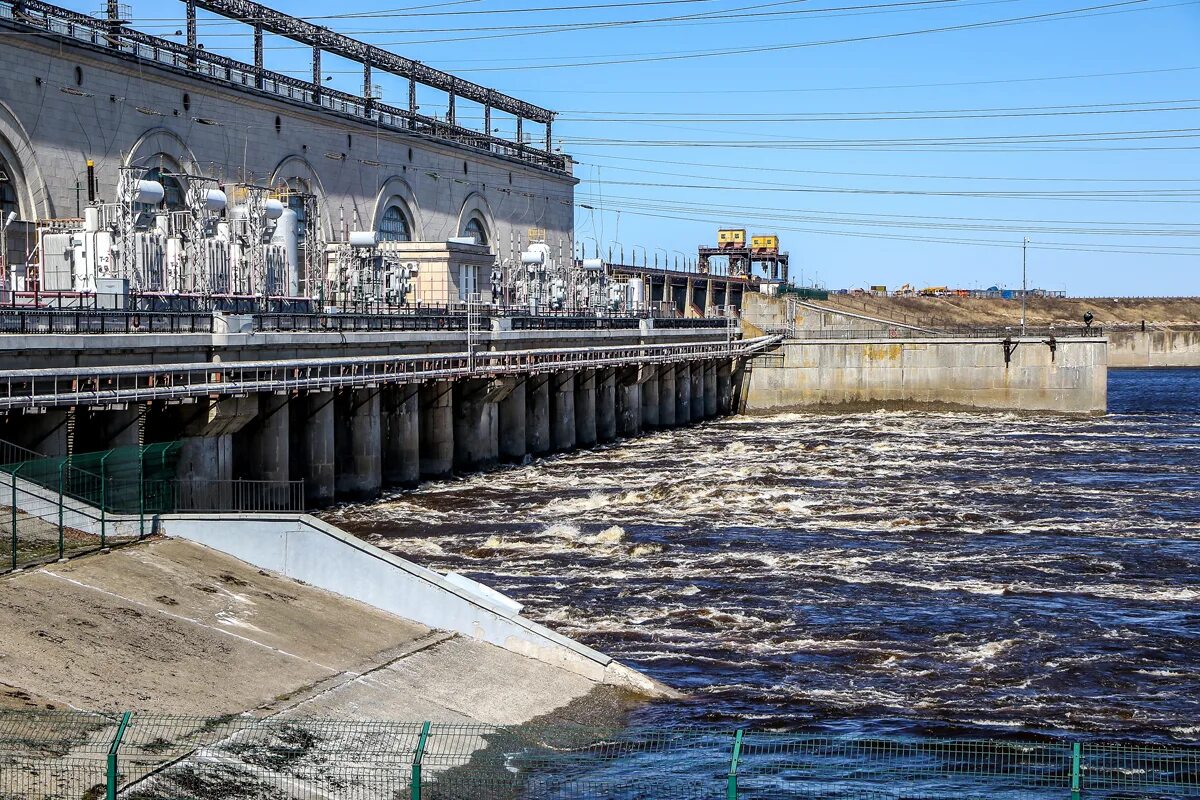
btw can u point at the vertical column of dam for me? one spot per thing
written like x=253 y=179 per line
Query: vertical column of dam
x=683 y=394
x=513 y=410
x=649 y=390
x=436 y=408
x=562 y=411
x=314 y=456
x=606 y=405
x=401 y=408
x=698 y=402
x=628 y=401
x=358 y=444
x=585 y=408
x=725 y=405
x=206 y=453
x=476 y=438
x=262 y=449
x=537 y=414
x=667 y=402
x=710 y=389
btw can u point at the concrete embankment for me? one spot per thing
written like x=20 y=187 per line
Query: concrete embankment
x=835 y=359
x=175 y=626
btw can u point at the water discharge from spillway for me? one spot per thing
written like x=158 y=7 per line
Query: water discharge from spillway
x=888 y=572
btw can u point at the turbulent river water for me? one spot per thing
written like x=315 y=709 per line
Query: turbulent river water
x=877 y=573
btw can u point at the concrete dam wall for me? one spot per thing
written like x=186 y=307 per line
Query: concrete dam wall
x=835 y=359
x=1154 y=348
x=956 y=373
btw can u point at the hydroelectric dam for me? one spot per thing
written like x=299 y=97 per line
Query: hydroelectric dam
x=255 y=297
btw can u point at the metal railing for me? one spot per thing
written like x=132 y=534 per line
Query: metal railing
x=361 y=322
x=138 y=383
x=136 y=755
x=574 y=322
x=690 y=322
x=68 y=321
x=874 y=334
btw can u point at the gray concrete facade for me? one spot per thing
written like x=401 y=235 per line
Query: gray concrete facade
x=57 y=96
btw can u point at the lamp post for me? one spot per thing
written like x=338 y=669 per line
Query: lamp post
x=645 y=255
x=1024 y=272
x=663 y=250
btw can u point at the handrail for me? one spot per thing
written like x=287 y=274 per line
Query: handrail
x=90 y=385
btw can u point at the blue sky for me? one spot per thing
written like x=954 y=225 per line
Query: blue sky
x=823 y=160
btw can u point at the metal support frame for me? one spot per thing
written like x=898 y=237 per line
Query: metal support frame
x=324 y=39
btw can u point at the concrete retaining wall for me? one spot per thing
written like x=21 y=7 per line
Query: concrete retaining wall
x=1154 y=348
x=306 y=549
x=966 y=373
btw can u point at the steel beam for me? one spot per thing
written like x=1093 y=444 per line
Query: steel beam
x=307 y=33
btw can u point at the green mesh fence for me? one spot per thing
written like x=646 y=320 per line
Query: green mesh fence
x=56 y=507
x=161 y=757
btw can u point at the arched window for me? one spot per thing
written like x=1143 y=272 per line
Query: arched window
x=393 y=227
x=475 y=229
x=8 y=193
x=173 y=196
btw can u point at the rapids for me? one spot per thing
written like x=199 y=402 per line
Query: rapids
x=889 y=572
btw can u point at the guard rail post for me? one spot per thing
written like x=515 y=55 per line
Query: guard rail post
x=1076 y=759
x=111 y=777
x=731 y=786
x=418 y=757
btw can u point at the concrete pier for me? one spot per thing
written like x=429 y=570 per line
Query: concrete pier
x=263 y=445
x=585 y=408
x=606 y=405
x=651 y=405
x=476 y=435
x=512 y=419
x=710 y=390
x=667 y=402
x=537 y=414
x=628 y=401
x=313 y=458
x=400 y=407
x=683 y=394
x=697 y=399
x=725 y=400
x=359 y=444
x=206 y=455
x=437 y=429
x=562 y=411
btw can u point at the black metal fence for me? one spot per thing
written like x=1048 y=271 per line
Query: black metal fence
x=79 y=320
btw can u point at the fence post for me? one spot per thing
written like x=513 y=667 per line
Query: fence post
x=418 y=756
x=61 y=539
x=111 y=775
x=13 y=519
x=1076 y=759
x=731 y=788
x=103 y=502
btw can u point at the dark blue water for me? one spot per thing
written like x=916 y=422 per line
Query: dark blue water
x=869 y=573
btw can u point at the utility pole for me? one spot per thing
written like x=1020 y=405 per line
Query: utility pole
x=1024 y=283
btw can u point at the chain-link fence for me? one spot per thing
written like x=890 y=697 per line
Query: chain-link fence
x=159 y=757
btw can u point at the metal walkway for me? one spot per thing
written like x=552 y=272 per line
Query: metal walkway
x=91 y=386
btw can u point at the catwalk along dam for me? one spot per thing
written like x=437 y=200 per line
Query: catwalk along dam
x=255 y=296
